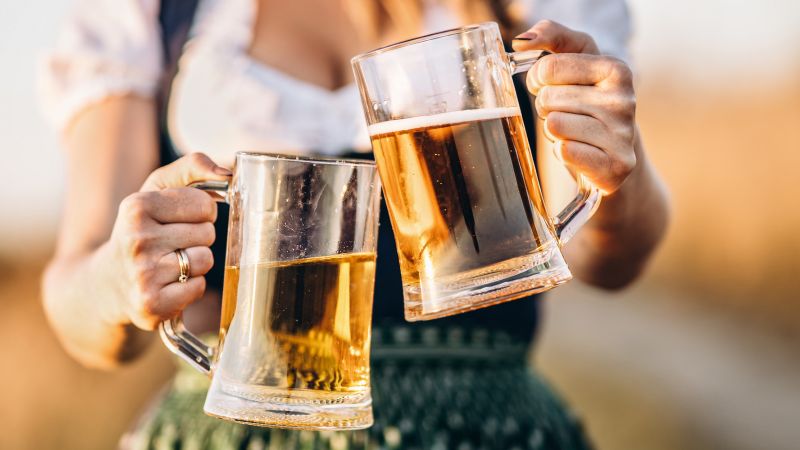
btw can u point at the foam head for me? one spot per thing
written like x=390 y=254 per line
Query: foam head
x=435 y=120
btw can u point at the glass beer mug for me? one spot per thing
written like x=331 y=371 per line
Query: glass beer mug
x=294 y=338
x=458 y=174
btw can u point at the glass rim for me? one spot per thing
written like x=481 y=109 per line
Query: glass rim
x=306 y=159
x=419 y=39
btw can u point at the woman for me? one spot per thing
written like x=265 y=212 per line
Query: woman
x=271 y=76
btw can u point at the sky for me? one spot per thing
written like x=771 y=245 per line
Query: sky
x=714 y=44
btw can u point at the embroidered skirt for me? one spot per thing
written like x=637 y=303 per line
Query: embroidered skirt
x=432 y=388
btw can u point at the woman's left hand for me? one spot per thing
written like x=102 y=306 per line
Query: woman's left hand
x=587 y=101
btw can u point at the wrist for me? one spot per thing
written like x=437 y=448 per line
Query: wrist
x=617 y=209
x=109 y=294
x=633 y=218
x=110 y=298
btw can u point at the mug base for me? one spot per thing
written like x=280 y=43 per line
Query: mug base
x=306 y=410
x=501 y=282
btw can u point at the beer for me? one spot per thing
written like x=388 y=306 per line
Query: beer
x=464 y=201
x=308 y=323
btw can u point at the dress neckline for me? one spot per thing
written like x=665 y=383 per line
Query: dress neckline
x=293 y=83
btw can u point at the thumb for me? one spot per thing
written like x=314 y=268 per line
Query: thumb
x=189 y=169
x=555 y=38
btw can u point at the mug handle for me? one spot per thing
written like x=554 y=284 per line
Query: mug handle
x=587 y=200
x=175 y=336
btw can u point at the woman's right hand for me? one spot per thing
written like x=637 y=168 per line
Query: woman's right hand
x=151 y=225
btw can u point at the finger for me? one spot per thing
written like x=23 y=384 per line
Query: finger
x=173 y=236
x=590 y=161
x=578 y=127
x=556 y=38
x=174 y=297
x=572 y=99
x=189 y=169
x=573 y=69
x=200 y=261
x=586 y=100
x=174 y=205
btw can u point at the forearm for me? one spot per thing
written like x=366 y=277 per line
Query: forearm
x=82 y=305
x=615 y=245
x=110 y=148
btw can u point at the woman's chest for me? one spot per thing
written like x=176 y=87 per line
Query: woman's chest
x=273 y=79
x=310 y=40
x=244 y=84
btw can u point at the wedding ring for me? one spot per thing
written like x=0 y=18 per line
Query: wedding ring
x=183 y=262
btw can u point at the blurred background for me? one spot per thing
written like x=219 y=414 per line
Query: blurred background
x=702 y=353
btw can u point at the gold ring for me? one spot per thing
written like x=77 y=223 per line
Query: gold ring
x=183 y=262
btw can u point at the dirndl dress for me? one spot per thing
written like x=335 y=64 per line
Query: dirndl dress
x=433 y=387
x=461 y=382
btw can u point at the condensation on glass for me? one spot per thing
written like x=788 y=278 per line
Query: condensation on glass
x=458 y=173
x=294 y=341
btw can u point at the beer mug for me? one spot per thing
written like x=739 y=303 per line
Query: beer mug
x=458 y=174
x=294 y=337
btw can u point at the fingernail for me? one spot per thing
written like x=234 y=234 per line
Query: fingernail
x=219 y=170
x=526 y=36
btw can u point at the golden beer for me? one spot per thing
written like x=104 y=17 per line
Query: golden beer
x=293 y=349
x=458 y=174
x=464 y=202
x=308 y=319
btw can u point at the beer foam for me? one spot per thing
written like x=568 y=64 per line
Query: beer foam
x=451 y=117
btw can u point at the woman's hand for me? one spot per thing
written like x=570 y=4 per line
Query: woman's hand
x=114 y=272
x=587 y=102
x=151 y=224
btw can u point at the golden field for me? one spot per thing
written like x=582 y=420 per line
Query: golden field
x=730 y=158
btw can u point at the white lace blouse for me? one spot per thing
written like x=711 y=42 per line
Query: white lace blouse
x=223 y=100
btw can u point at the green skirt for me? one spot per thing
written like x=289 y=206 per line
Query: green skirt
x=432 y=388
